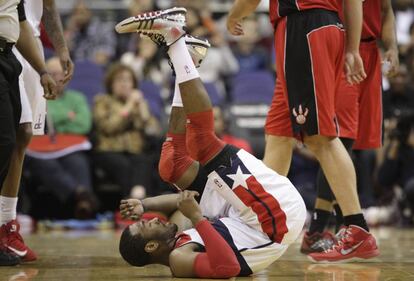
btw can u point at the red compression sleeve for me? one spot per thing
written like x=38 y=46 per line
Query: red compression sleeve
x=219 y=260
x=174 y=160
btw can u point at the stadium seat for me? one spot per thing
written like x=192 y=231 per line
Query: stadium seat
x=88 y=78
x=152 y=93
x=253 y=87
x=215 y=97
x=247 y=120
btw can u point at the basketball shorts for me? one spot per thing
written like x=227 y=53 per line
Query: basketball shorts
x=31 y=95
x=250 y=191
x=309 y=63
x=359 y=106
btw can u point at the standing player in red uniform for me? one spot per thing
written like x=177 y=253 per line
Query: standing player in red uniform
x=359 y=111
x=309 y=42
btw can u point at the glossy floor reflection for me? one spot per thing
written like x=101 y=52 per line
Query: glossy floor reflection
x=94 y=256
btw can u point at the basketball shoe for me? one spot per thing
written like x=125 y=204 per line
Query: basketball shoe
x=6 y=258
x=317 y=242
x=13 y=241
x=355 y=243
x=169 y=24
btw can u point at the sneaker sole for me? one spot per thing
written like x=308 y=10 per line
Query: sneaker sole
x=133 y=24
x=366 y=257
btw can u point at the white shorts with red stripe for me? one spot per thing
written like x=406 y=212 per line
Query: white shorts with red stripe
x=258 y=196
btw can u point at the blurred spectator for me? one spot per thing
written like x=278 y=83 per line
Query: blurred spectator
x=123 y=122
x=88 y=37
x=397 y=167
x=57 y=161
x=148 y=62
x=399 y=99
x=136 y=7
x=220 y=126
x=249 y=54
x=404 y=16
x=303 y=171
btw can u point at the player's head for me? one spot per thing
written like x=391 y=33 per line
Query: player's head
x=147 y=242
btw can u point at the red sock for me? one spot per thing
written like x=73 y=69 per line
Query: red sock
x=202 y=142
x=174 y=159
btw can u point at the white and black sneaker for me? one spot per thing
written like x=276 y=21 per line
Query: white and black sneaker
x=168 y=24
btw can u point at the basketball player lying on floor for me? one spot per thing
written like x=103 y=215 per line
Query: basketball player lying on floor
x=255 y=212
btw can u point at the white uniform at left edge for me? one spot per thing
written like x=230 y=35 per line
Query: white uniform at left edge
x=31 y=91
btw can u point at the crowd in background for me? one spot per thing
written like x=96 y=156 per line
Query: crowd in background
x=105 y=131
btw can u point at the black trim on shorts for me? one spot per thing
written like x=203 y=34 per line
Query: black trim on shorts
x=199 y=183
x=298 y=64
x=222 y=229
x=222 y=159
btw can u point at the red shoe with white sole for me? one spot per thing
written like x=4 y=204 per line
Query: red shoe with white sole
x=355 y=244
x=11 y=240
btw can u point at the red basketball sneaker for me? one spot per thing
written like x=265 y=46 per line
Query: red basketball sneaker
x=13 y=241
x=355 y=244
x=317 y=242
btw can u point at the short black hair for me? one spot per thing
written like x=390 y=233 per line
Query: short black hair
x=132 y=248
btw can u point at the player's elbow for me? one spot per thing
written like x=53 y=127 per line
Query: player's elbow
x=227 y=271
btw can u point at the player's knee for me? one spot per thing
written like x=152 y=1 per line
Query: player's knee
x=317 y=143
x=24 y=135
x=173 y=164
x=166 y=164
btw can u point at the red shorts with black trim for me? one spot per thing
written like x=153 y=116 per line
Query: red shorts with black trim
x=309 y=64
x=359 y=107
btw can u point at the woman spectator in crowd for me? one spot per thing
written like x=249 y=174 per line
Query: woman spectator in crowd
x=123 y=122
x=57 y=161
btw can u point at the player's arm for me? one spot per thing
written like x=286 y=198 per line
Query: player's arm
x=353 y=23
x=218 y=260
x=389 y=37
x=53 y=27
x=134 y=208
x=27 y=46
x=240 y=10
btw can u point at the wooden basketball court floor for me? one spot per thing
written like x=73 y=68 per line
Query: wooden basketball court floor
x=84 y=256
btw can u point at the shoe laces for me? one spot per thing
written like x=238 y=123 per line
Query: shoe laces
x=344 y=239
x=14 y=236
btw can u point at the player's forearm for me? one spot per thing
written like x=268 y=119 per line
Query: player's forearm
x=243 y=8
x=353 y=24
x=219 y=260
x=388 y=35
x=166 y=204
x=29 y=49
x=53 y=26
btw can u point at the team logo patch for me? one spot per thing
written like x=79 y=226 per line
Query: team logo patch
x=300 y=114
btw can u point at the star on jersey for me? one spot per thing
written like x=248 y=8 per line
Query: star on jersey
x=239 y=178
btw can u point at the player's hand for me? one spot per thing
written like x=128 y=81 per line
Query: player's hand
x=67 y=65
x=189 y=206
x=49 y=86
x=354 y=68
x=391 y=56
x=131 y=208
x=234 y=26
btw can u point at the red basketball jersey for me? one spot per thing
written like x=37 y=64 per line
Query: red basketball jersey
x=372 y=19
x=371 y=27
x=282 y=8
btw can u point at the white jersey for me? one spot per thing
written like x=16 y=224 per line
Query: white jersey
x=263 y=199
x=253 y=249
x=34 y=12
